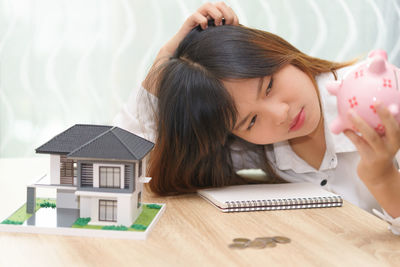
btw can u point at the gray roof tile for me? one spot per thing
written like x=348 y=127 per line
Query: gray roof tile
x=95 y=141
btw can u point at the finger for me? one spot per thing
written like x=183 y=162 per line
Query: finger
x=358 y=141
x=198 y=19
x=392 y=127
x=235 y=19
x=227 y=12
x=368 y=133
x=212 y=11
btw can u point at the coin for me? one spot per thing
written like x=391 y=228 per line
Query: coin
x=241 y=240
x=266 y=239
x=238 y=245
x=281 y=239
x=257 y=244
x=270 y=244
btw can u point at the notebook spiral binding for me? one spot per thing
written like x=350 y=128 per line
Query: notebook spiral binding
x=283 y=204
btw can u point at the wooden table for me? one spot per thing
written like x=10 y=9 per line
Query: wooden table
x=192 y=232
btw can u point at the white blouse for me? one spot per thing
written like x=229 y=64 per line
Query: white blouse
x=337 y=172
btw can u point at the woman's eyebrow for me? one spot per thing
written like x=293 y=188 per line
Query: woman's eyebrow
x=260 y=84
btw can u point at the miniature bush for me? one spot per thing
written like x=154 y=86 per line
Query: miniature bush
x=82 y=221
x=11 y=222
x=47 y=204
x=153 y=206
x=115 y=227
x=139 y=226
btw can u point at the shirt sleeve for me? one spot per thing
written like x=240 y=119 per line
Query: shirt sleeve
x=394 y=223
x=138 y=114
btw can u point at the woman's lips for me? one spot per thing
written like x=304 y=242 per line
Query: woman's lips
x=298 y=122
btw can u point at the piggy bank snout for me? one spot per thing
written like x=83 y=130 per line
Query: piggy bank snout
x=333 y=86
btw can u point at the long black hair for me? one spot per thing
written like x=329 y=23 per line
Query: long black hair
x=196 y=114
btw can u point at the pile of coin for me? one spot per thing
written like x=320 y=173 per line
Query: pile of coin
x=259 y=242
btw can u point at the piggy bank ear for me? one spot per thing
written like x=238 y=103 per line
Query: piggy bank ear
x=333 y=86
x=377 y=65
x=378 y=53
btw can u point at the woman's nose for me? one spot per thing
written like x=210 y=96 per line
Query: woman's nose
x=279 y=113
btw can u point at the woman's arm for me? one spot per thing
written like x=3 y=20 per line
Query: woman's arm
x=216 y=11
x=376 y=167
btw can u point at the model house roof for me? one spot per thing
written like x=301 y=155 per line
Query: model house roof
x=97 y=141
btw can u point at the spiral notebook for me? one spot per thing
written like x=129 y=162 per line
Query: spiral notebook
x=254 y=197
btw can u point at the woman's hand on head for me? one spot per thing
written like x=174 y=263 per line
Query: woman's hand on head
x=377 y=152
x=216 y=11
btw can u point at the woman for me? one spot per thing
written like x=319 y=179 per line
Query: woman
x=232 y=98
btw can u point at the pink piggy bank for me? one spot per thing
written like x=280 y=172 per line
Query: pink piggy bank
x=374 y=80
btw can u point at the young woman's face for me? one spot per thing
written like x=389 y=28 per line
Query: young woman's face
x=275 y=108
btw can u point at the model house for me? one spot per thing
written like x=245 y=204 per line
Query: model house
x=98 y=170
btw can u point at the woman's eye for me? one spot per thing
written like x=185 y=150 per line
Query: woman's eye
x=252 y=122
x=269 y=88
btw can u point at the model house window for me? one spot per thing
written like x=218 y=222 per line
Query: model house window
x=128 y=175
x=140 y=168
x=66 y=170
x=108 y=210
x=87 y=174
x=110 y=177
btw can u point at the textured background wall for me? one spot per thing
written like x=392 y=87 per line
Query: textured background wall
x=67 y=61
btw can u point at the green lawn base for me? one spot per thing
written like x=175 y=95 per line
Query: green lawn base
x=20 y=215
x=149 y=212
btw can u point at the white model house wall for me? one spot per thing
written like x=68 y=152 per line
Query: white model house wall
x=55 y=169
x=127 y=210
x=67 y=199
x=144 y=166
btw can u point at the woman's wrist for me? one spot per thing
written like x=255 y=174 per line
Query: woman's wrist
x=385 y=187
x=375 y=176
x=166 y=51
x=387 y=194
x=378 y=177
